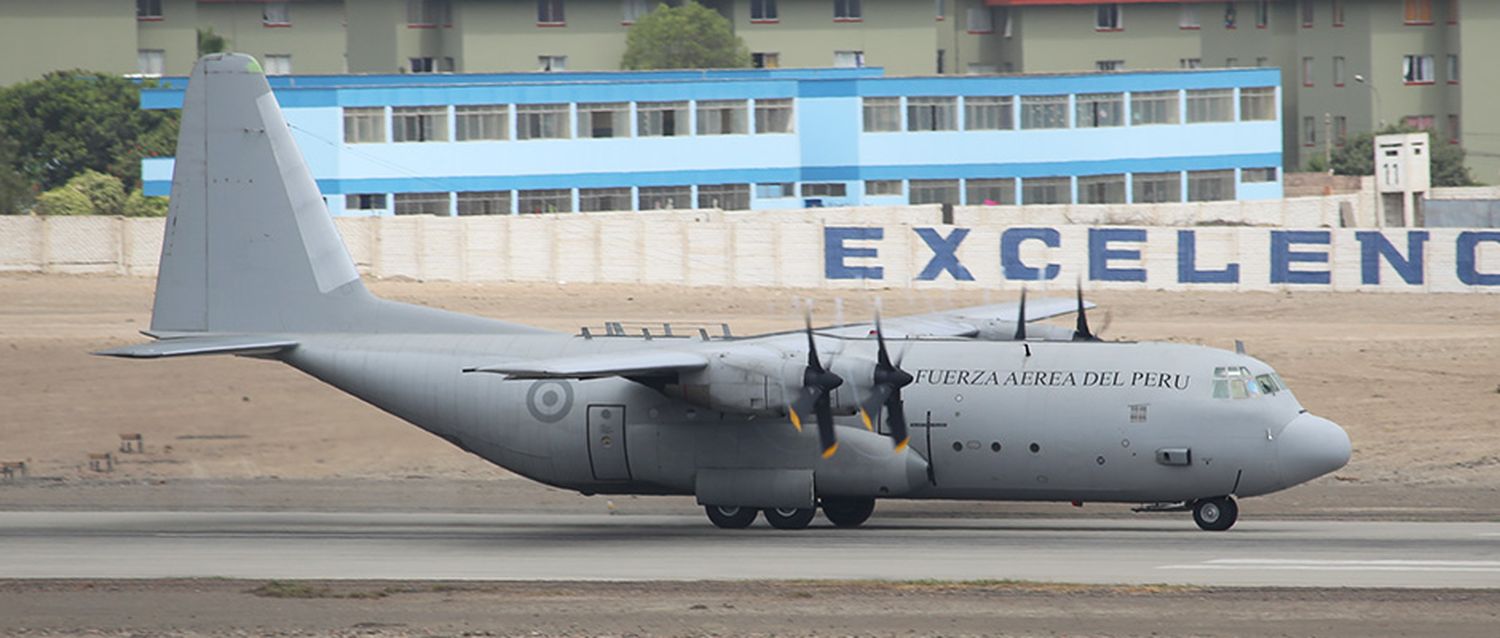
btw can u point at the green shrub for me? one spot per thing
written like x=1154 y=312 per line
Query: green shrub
x=63 y=200
x=105 y=192
x=138 y=204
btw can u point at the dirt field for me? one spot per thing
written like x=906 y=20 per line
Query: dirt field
x=1415 y=379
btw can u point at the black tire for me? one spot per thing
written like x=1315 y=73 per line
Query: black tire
x=848 y=512
x=1216 y=514
x=729 y=517
x=798 y=518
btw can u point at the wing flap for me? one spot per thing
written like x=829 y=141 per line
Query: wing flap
x=193 y=346
x=594 y=366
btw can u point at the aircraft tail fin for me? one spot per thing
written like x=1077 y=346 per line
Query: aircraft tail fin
x=249 y=245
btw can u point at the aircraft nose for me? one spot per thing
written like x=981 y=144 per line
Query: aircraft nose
x=1309 y=447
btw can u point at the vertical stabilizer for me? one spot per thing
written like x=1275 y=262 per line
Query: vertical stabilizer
x=249 y=246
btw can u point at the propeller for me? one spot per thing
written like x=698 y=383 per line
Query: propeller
x=818 y=384
x=1081 y=330
x=1021 y=318
x=885 y=392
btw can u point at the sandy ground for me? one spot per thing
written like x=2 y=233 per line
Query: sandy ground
x=232 y=608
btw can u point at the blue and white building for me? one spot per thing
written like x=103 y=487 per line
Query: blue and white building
x=773 y=139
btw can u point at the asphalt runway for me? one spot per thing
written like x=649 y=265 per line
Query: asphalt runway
x=420 y=546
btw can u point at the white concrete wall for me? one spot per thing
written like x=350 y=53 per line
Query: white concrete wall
x=804 y=249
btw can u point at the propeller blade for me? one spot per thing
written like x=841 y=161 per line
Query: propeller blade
x=869 y=410
x=802 y=406
x=896 y=419
x=827 y=440
x=1081 y=330
x=815 y=397
x=812 y=348
x=885 y=392
x=1021 y=318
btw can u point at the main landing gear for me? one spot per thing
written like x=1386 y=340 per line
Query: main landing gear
x=851 y=512
x=1215 y=514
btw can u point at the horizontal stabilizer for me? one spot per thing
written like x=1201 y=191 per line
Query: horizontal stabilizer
x=609 y=364
x=189 y=346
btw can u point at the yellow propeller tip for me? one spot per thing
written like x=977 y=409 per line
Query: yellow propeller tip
x=796 y=420
x=901 y=447
x=865 y=417
x=831 y=449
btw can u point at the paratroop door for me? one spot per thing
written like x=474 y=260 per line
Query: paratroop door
x=607 y=443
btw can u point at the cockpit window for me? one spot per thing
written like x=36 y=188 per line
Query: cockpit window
x=1236 y=382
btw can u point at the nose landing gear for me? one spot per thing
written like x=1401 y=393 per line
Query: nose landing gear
x=1215 y=514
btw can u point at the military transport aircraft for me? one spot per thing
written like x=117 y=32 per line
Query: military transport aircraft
x=967 y=404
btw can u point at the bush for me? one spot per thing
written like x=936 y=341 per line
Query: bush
x=63 y=200
x=690 y=36
x=140 y=205
x=105 y=192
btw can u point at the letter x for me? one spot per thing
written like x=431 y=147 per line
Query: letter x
x=944 y=254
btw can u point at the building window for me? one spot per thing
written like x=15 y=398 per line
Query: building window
x=550 y=12
x=594 y=200
x=1262 y=62
x=1309 y=130
x=1307 y=13
x=765 y=60
x=1044 y=111
x=1210 y=186
x=151 y=61
x=724 y=196
x=1230 y=63
x=1101 y=189
x=599 y=121
x=989 y=113
x=723 y=117
x=1420 y=122
x=666 y=197
x=1107 y=17
x=763 y=11
x=825 y=189
x=661 y=119
x=1210 y=105
x=775 y=190
x=419 y=124
x=1338 y=70
x=931 y=114
x=276 y=14
x=1190 y=63
x=773 y=115
x=552 y=62
x=1154 y=107
x=1453 y=135
x=364 y=125
x=148 y=10
x=1258 y=175
x=481 y=122
x=364 y=201
x=1417 y=69
x=431 y=65
x=542 y=122
x=422 y=204
x=1258 y=103
x=1109 y=65
x=941 y=9
x=847 y=10
x=933 y=191
x=1040 y=191
x=1452 y=69
x=1452 y=11
x=1340 y=129
x=428 y=13
x=633 y=10
x=981 y=20
x=1096 y=110
x=277 y=64
x=1418 y=11
x=882 y=114
x=1187 y=17
x=990 y=192
x=1307 y=71
x=1231 y=16
x=1155 y=188
x=1338 y=13
x=876 y=187
x=848 y=59
x=484 y=203
x=537 y=202
x=1262 y=14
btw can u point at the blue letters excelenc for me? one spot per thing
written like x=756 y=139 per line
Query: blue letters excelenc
x=1373 y=246
x=1282 y=256
x=1187 y=264
x=944 y=254
x=835 y=252
x=1100 y=254
x=1010 y=253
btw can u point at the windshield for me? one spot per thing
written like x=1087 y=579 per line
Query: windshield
x=1236 y=382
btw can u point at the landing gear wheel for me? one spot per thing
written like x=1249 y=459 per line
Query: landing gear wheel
x=1216 y=514
x=794 y=518
x=848 y=512
x=729 y=517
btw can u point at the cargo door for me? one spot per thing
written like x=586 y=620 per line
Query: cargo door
x=606 y=432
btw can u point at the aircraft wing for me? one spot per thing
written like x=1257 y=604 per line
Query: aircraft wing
x=190 y=346
x=605 y=364
x=964 y=322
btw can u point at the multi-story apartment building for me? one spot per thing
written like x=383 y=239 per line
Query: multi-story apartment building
x=1350 y=64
